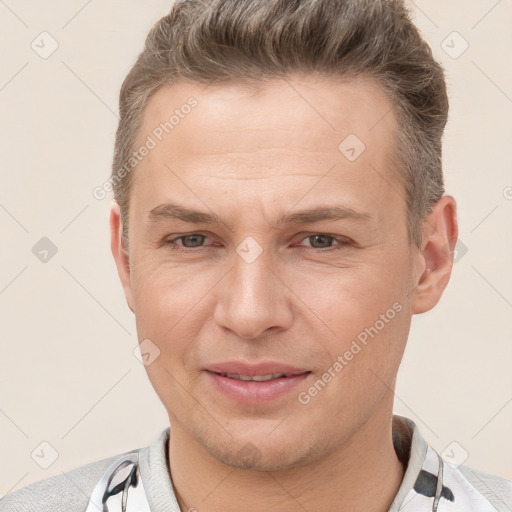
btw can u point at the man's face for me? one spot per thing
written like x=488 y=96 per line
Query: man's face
x=247 y=290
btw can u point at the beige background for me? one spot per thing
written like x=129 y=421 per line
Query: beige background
x=68 y=375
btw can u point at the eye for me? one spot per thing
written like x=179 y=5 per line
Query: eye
x=188 y=241
x=323 y=241
x=319 y=241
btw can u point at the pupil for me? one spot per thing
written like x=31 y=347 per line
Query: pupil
x=324 y=237
x=193 y=237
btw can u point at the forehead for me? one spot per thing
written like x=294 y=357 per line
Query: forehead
x=308 y=109
x=270 y=140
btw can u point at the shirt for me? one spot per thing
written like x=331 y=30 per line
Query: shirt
x=139 y=481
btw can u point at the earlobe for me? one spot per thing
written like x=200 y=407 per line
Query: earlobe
x=440 y=232
x=121 y=256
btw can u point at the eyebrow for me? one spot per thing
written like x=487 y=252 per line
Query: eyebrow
x=311 y=216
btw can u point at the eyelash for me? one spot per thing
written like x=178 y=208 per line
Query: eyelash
x=342 y=242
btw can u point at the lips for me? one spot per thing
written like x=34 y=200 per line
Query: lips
x=255 y=384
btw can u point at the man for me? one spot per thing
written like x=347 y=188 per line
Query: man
x=280 y=216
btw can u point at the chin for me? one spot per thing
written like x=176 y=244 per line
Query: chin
x=262 y=454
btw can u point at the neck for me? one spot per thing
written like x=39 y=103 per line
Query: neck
x=364 y=474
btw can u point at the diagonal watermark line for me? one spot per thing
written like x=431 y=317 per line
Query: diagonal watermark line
x=81 y=419
x=14 y=14
x=286 y=491
x=407 y=501
x=215 y=488
x=492 y=81
x=390 y=389
x=13 y=423
x=13 y=217
x=76 y=14
x=411 y=290
x=80 y=489
x=14 y=76
x=197 y=401
x=399 y=192
x=403 y=196
x=13 y=279
x=485 y=15
x=74 y=218
x=424 y=14
x=493 y=492
x=493 y=287
x=16 y=484
x=96 y=300
x=381 y=118
x=492 y=418
x=117 y=117
x=492 y=211
x=302 y=96
x=280 y=423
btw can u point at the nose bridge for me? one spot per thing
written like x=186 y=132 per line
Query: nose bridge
x=252 y=278
x=253 y=298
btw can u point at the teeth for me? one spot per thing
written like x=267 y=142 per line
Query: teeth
x=258 y=378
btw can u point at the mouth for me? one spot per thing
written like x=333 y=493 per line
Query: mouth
x=256 y=378
x=255 y=384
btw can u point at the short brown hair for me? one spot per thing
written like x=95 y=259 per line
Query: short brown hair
x=250 y=41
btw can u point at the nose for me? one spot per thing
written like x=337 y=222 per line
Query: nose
x=253 y=299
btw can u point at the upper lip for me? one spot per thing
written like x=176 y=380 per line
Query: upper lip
x=251 y=370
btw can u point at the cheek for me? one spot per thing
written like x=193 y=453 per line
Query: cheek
x=366 y=355
x=166 y=317
x=359 y=314
x=346 y=297
x=161 y=289
x=172 y=304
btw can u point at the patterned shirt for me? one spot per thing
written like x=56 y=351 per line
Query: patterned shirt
x=139 y=481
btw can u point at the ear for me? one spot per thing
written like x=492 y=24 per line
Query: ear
x=119 y=253
x=435 y=261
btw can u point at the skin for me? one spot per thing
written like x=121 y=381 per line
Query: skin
x=248 y=156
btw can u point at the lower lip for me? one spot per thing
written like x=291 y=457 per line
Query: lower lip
x=254 y=392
